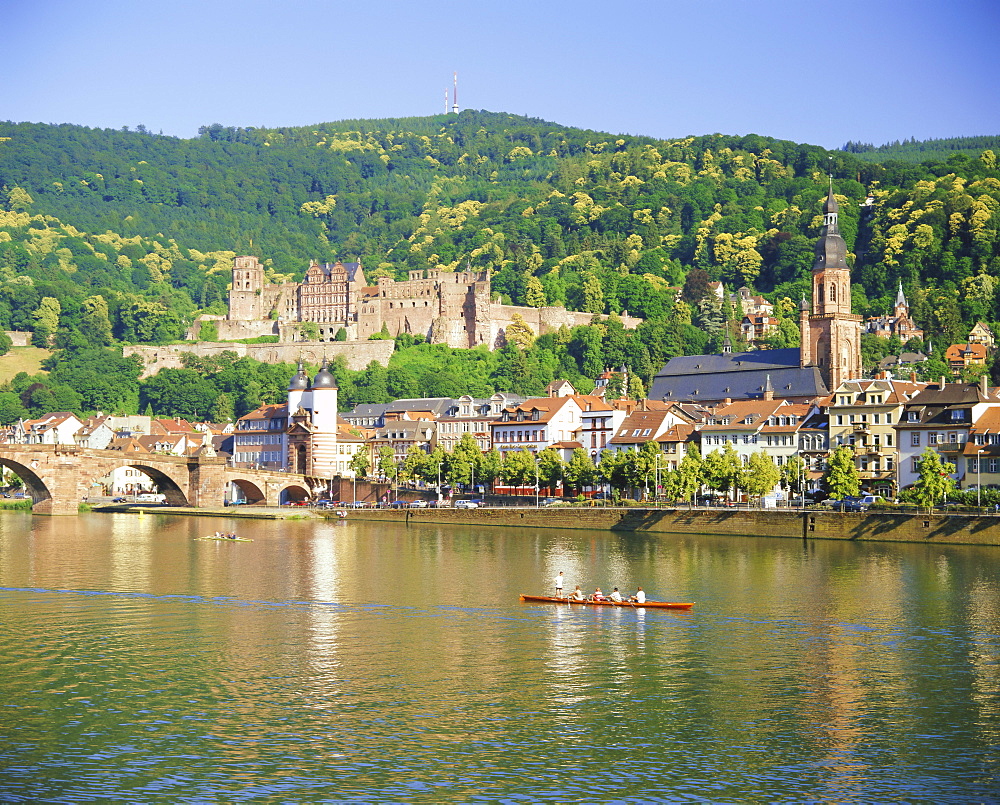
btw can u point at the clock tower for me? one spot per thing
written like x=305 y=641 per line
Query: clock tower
x=831 y=334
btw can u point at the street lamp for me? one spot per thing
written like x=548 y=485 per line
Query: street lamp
x=535 y=458
x=979 y=478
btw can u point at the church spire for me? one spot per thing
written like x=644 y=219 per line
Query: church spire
x=900 y=299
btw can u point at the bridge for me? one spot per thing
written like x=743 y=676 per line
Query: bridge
x=59 y=477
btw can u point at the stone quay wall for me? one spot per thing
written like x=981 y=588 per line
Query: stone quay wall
x=358 y=353
x=941 y=529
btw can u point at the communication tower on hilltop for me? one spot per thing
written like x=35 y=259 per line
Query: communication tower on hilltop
x=454 y=96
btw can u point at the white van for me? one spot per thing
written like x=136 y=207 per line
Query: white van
x=150 y=497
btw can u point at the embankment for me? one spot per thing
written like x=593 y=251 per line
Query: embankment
x=947 y=529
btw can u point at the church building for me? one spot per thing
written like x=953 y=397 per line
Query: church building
x=830 y=350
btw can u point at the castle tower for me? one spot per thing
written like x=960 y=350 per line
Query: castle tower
x=246 y=294
x=834 y=332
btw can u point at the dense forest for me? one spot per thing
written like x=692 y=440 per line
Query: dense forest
x=110 y=237
x=913 y=150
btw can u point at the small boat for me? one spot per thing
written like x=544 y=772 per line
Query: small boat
x=548 y=599
x=227 y=539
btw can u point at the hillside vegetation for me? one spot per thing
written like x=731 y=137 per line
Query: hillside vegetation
x=124 y=236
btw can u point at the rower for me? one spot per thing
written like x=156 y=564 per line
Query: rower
x=577 y=594
x=616 y=596
x=598 y=595
x=639 y=597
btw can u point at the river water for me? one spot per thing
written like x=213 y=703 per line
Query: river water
x=371 y=662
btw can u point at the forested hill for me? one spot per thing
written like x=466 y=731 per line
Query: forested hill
x=132 y=233
x=913 y=150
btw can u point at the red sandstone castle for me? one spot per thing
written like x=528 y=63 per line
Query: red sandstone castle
x=454 y=308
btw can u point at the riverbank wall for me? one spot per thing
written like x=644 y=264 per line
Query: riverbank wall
x=945 y=529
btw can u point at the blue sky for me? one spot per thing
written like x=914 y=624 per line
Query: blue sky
x=804 y=71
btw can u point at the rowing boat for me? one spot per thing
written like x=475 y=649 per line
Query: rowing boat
x=548 y=599
x=227 y=539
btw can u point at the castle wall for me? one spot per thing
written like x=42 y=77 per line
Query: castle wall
x=444 y=307
x=358 y=353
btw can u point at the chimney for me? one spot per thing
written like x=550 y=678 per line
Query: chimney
x=727 y=401
x=984 y=386
x=942 y=383
x=913 y=377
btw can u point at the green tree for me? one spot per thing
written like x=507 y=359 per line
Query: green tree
x=223 y=410
x=793 y=474
x=760 y=475
x=518 y=468
x=593 y=294
x=387 y=462
x=721 y=469
x=179 y=392
x=360 y=463
x=580 y=470
x=491 y=466
x=934 y=479
x=550 y=468
x=465 y=462
x=841 y=478
x=11 y=409
x=534 y=292
x=689 y=473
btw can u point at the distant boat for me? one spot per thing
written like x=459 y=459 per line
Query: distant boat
x=227 y=539
x=548 y=599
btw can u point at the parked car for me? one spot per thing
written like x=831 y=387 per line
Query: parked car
x=118 y=500
x=418 y=504
x=848 y=504
x=466 y=504
x=549 y=501
x=357 y=504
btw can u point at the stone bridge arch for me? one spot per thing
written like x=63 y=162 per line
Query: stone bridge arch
x=171 y=481
x=293 y=493
x=35 y=487
x=251 y=490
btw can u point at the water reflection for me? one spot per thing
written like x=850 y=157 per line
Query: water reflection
x=373 y=662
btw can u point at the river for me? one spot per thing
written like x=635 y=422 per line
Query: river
x=352 y=661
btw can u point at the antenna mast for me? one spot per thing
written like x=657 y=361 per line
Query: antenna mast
x=454 y=96
x=446 y=100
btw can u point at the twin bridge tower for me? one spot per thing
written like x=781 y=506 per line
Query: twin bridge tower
x=59 y=477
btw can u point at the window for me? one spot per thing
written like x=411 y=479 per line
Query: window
x=932 y=438
x=840 y=419
x=877 y=418
x=958 y=416
x=973 y=465
x=914 y=462
x=888 y=440
x=915 y=439
x=912 y=416
x=888 y=419
x=646 y=432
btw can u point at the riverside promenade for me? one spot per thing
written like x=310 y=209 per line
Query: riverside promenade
x=937 y=528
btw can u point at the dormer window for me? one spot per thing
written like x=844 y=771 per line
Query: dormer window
x=912 y=416
x=520 y=416
x=536 y=415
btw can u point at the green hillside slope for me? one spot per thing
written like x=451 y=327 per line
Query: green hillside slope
x=123 y=236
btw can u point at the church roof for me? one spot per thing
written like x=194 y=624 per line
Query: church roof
x=831 y=250
x=736 y=375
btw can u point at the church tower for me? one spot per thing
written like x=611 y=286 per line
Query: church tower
x=834 y=335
